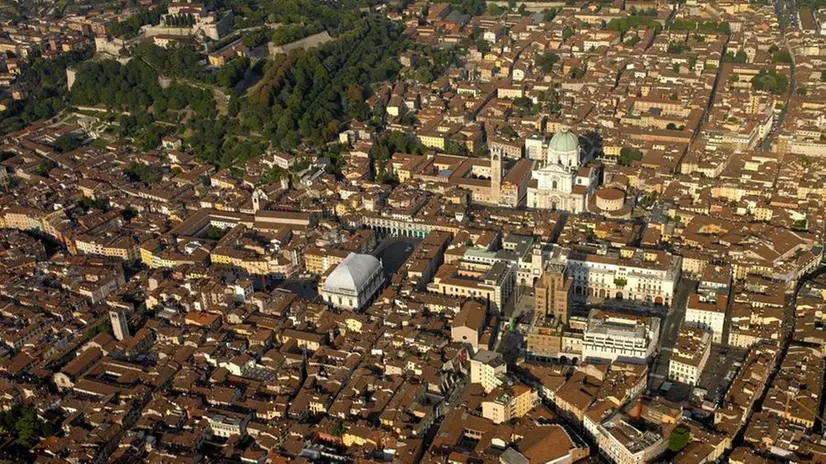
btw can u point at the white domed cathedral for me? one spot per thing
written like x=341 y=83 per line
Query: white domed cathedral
x=560 y=180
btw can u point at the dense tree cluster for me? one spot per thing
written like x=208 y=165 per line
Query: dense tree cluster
x=643 y=11
x=629 y=155
x=770 y=81
x=624 y=25
x=223 y=142
x=471 y=7
x=231 y=73
x=813 y=4
x=307 y=94
x=44 y=84
x=782 y=56
x=131 y=26
x=141 y=130
x=134 y=87
x=546 y=61
x=292 y=32
x=180 y=20
x=336 y=17
x=439 y=60
x=214 y=233
x=22 y=422
x=720 y=27
x=44 y=168
x=256 y=38
x=68 y=142
x=386 y=145
x=677 y=48
x=142 y=172
x=524 y=107
x=181 y=61
x=739 y=57
x=678 y=439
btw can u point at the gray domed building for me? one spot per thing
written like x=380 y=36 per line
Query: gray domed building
x=560 y=179
x=354 y=282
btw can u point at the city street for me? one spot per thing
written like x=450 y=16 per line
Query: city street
x=669 y=330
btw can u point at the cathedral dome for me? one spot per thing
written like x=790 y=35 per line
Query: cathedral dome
x=564 y=141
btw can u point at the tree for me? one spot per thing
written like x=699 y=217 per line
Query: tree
x=739 y=57
x=577 y=72
x=567 y=33
x=496 y=10
x=623 y=25
x=678 y=439
x=620 y=282
x=770 y=81
x=68 y=142
x=214 y=233
x=44 y=168
x=677 y=48
x=548 y=14
x=143 y=172
x=231 y=73
x=823 y=76
x=783 y=56
x=802 y=91
x=629 y=155
x=339 y=429
x=255 y=38
x=633 y=40
x=483 y=46
x=453 y=147
x=546 y=61
x=130 y=27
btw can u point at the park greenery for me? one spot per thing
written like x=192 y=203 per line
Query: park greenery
x=709 y=27
x=629 y=155
x=678 y=439
x=738 y=57
x=546 y=61
x=142 y=172
x=23 y=423
x=134 y=87
x=214 y=233
x=623 y=25
x=292 y=32
x=770 y=81
x=306 y=96
x=782 y=56
x=44 y=85
x=677 y=48
x=131 y=26
x=68 y=142
x=335 y=17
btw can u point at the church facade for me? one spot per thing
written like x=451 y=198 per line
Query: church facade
x=560 y=179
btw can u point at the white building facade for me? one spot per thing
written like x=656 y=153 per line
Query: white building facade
x=690 y=355
x=354 y=282
x=632 y=274
x=557 y=182
x=618 y=337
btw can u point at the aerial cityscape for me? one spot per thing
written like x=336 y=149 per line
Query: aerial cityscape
x=412 y=231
